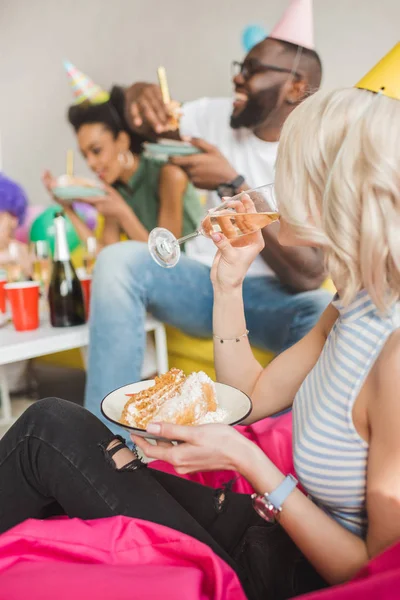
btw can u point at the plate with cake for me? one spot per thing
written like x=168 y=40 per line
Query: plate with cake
x=165 y=148
x=175 y=398
x=68 y=188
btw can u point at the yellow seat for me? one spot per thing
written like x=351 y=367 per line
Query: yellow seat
x=197 y=354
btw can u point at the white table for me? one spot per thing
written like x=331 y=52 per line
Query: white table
x=16 y=346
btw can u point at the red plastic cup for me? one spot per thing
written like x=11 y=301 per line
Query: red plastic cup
x=23 y=297
x=2 y=295
x=86 y=283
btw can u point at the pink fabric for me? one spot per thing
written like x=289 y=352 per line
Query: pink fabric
x=114 y=559
x=272 y=435
x=379 y=580
x=121 y=558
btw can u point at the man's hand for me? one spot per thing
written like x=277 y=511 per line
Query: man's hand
x=208 y=169
x=145 y=110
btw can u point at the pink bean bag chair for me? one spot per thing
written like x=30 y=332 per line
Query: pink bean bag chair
x=121 y=558
x=379 y=580
x=110 y=559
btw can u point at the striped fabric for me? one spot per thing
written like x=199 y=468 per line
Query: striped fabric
x=330 y=457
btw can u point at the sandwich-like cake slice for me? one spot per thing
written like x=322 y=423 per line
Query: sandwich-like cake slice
x=174 y=398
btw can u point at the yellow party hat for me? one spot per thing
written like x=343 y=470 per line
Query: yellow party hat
x=84 y=89
x=385 y=76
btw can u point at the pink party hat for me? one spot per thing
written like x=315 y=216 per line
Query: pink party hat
x=296 y=26
x=83 y=88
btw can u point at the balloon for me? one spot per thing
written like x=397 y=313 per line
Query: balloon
x=33 y=211
x=87 y=213
x=252 y=35
x=42 y=228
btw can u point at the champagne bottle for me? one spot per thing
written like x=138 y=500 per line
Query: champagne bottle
x=65 y=292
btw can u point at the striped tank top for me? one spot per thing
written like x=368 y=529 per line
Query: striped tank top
x=330 y=457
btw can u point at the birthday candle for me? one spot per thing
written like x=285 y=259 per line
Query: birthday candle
x=162 y=78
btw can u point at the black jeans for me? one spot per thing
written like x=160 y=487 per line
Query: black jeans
x=54 y=460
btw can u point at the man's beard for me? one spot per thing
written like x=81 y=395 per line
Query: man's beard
x=257 y=110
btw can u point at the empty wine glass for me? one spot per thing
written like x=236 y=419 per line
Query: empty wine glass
x=235 y=217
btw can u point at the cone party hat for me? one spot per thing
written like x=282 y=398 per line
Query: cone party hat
x=83 y=88
x=297 y=25
x=384 y=77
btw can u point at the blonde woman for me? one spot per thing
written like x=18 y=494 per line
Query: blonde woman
x=339 y=158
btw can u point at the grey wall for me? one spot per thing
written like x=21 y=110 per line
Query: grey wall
x=121 y=41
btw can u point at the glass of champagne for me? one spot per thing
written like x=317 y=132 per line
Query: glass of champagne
x=14 y=263
x=41 y=263
x=90 y=255
x=235 y=217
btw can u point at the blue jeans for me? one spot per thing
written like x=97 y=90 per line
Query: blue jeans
x=128 y=283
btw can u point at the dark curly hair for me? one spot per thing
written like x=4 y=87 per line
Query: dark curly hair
x=111 y=114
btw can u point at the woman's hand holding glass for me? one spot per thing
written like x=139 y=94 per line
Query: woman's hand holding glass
x=237 y=219
x=234 y=258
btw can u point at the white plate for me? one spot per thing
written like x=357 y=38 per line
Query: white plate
x=236 y=403
x=70 y=188
x=164 y=148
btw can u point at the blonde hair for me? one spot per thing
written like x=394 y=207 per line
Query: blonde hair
x=338 y=185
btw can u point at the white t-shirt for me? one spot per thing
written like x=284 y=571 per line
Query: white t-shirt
x=208 y=118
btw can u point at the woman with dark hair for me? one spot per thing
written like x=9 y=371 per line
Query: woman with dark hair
x=140 y=194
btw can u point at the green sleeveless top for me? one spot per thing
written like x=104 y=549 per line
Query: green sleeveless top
x=142 y=195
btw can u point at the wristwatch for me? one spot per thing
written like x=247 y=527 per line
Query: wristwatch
x=269 y=506
x=230 y=188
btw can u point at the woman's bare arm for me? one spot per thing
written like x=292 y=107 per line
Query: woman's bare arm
x=271 y=389
x=80 y=227
x=111 y=232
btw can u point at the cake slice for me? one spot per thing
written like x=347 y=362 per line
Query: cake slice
x=142 y=406
x=195 y=399
x=174 y=398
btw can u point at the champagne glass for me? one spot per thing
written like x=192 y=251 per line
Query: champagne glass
x=90 y=255
x=41 y=263
x=14 y=263
x=235 y=217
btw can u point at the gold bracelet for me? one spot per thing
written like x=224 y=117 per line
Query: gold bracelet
x=235 y=339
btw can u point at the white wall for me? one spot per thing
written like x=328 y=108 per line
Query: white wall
x=119 y=41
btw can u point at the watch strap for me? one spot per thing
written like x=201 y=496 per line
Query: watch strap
x=232 y=186
x=237 y=182
x=279 y=495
